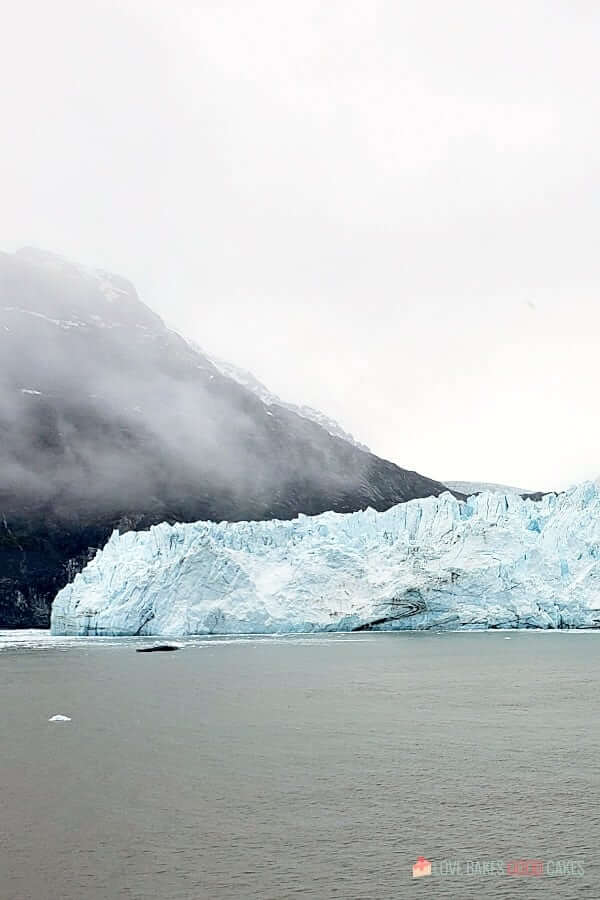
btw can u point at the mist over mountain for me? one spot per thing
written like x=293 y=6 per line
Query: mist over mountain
x=108 y=419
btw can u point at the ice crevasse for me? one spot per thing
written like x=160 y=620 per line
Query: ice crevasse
x=494 y=560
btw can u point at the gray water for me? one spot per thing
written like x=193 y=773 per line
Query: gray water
x=301 y=767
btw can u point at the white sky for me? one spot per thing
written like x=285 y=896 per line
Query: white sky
x=387 y=210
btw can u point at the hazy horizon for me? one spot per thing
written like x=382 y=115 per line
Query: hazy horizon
x=384 y=212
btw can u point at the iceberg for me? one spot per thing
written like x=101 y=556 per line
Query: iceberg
x=494 y=560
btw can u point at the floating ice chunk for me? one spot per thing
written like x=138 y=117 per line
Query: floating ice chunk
x=59 y=718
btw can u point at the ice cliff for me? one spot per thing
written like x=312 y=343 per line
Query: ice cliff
x=494 y=560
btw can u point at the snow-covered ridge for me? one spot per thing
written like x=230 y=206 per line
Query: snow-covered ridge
x=251 y=383
x=495 y=560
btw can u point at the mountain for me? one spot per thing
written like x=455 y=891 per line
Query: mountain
x=108 y=419
x=495 y=560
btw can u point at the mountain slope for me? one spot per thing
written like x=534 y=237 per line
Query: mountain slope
x=248 y=380
x=109 y=419
x=493 y=561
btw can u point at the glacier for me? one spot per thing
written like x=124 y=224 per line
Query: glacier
x=494 y=560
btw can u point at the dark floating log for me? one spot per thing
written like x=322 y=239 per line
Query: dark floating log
x=157 y=648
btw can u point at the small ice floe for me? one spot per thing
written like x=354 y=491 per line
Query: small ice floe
x=59 y=718
x=507 y=639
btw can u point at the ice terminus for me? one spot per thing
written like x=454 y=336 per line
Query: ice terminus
x=494 y=560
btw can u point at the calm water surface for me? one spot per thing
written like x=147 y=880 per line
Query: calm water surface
x=298 y=767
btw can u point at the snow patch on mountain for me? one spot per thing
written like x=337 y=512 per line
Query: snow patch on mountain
x=495 y=560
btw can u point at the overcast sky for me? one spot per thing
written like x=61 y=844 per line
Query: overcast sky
x=387 y=210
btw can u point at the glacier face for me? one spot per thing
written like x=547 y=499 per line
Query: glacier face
x=494 y=560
